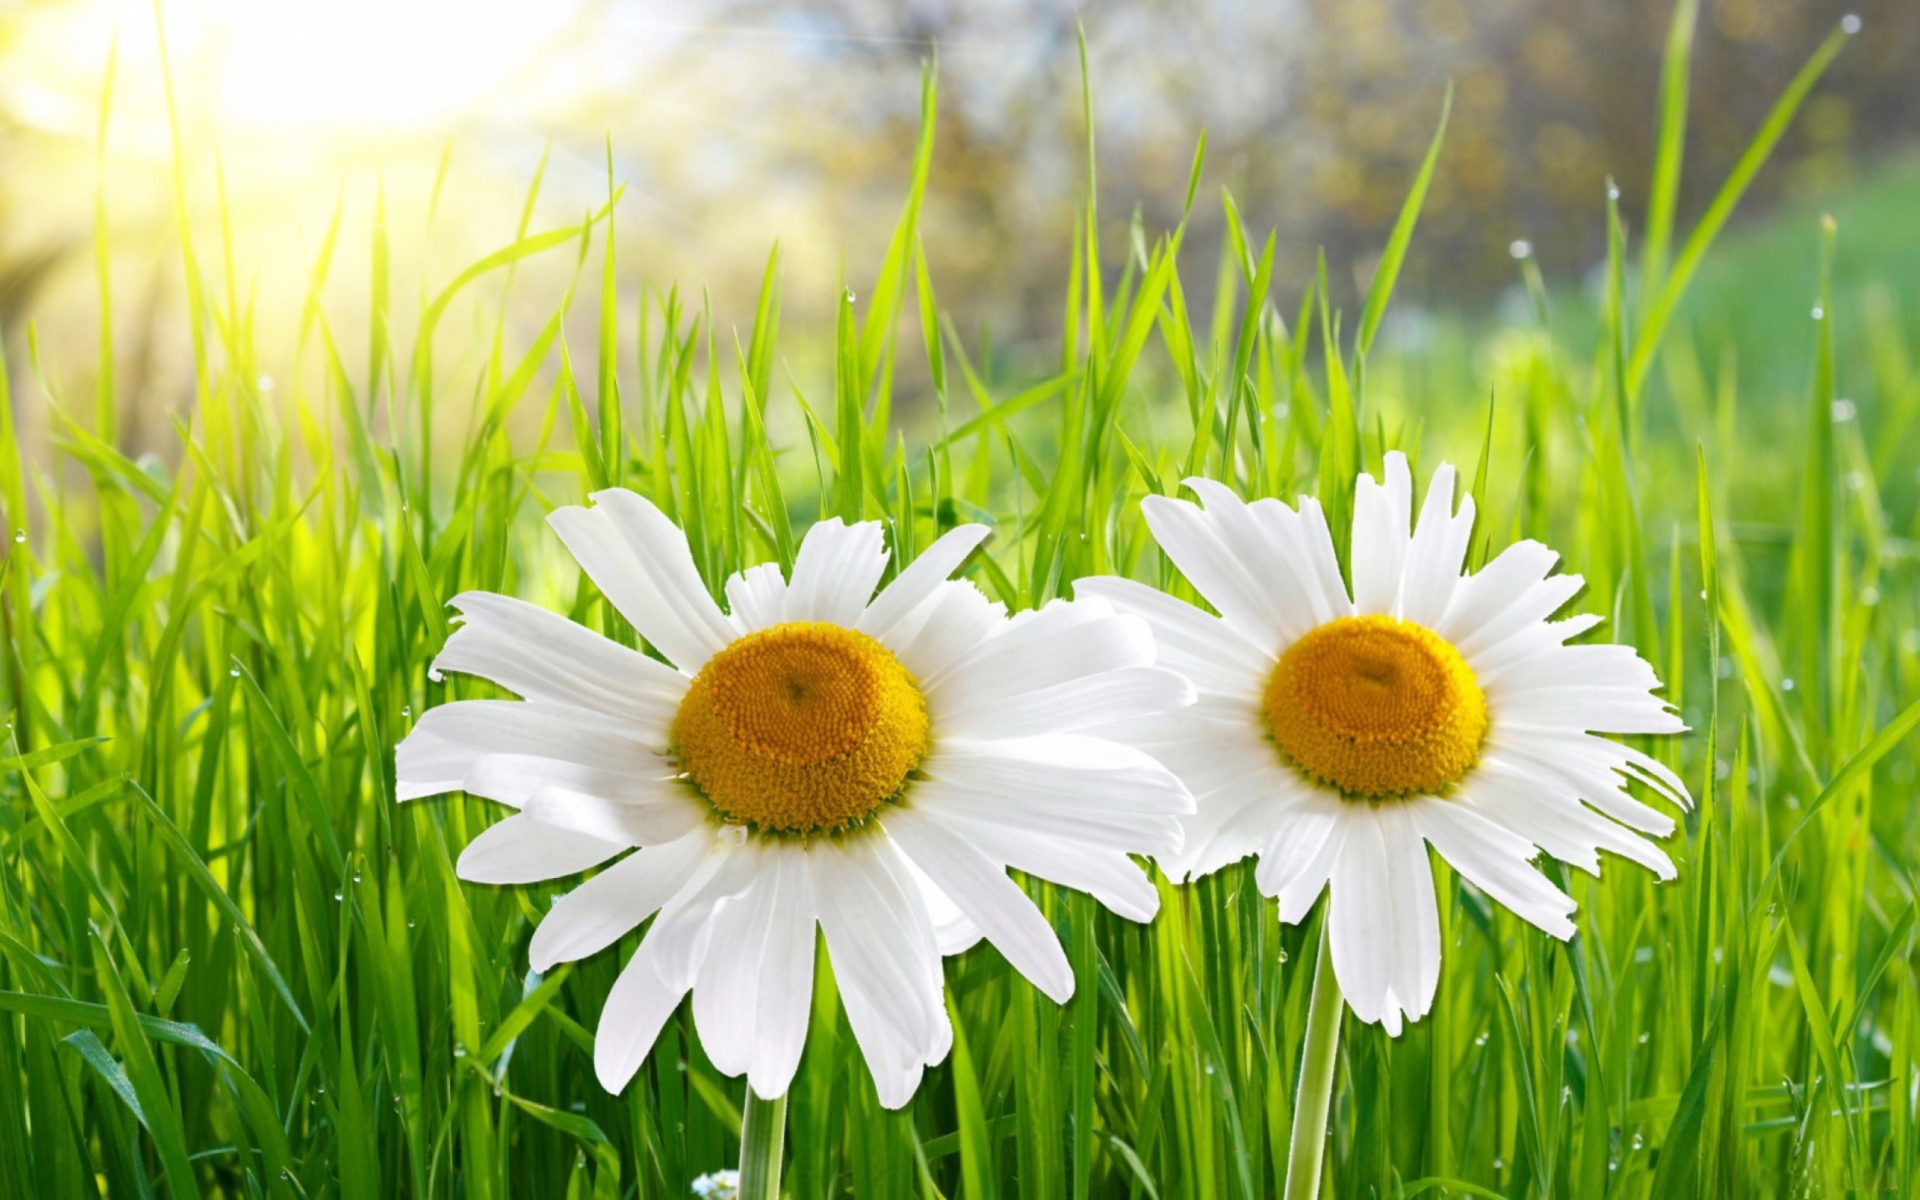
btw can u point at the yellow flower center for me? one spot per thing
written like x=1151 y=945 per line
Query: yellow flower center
x=802 y=727
x=1377 y=707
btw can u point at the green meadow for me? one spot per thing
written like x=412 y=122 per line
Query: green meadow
x=232 y=965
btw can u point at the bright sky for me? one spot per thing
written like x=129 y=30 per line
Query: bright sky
x=397 y=63
x=292 y=65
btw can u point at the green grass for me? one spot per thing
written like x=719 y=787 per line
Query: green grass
x=231 y=964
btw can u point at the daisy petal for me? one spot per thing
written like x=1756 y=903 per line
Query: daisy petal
x=944 y=629
x=1483 y=596
x=1061 y=643
x=1496 y=861
x=1078 y=788
x=1361 y=921
x=1312 y=543
x=1541 y=809
x=983 y=893
x=1580 y=708
x=662 y=970
x=637 y=1005
x=1300 y=853
x=757 y=597
x=1267 y=540
x=1065 y=707
x=1381 y=514
x=1217 y=560
x=1232 y=821
x=885 y=962
x=640 y=561
x=1416 y=953
x=952 y=932
x=755 y=986
x=540 y=729
x=1106 y=874
x=600 y=911
x=920 y=580
x=521 y=850
x=1437 y=551
x=673 y=815
x=543 y=656
x=1194 y=643
x=786 y=982
x=836 y=571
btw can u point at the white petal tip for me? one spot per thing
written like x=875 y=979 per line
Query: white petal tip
x=613 y=1075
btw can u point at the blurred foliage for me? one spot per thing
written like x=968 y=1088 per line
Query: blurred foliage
x=1322 y=109
x=742 y=122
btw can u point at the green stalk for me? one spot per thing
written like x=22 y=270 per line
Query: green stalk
x=1308 y=1149
x=763 y=1132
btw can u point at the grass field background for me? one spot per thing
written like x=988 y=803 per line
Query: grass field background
x=231 y=964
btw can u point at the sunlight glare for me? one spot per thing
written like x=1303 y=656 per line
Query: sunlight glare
x=395 y=64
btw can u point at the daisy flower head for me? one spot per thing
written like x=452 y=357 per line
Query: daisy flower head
x=1340 y=732
x=816 y=754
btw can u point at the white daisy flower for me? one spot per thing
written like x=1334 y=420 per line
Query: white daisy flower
x=1339 y=735
x=820 y=754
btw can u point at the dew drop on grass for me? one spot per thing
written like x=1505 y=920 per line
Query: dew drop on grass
x=1819 y=314
x=1521 y=248
x=1283 y=956
x=1480 y=1040
x=1499 y=1164
x=339 y=894
x=1644 y=1038
x=234 y=672
x=1786 y=685
x=1850 y=23
x=1843 y=411
x=1639 y=1141
x=20 y=535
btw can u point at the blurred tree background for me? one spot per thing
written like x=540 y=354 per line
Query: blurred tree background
x=735 y=124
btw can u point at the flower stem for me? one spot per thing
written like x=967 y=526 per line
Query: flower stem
x=1311 y=1099
x=763 y=1134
